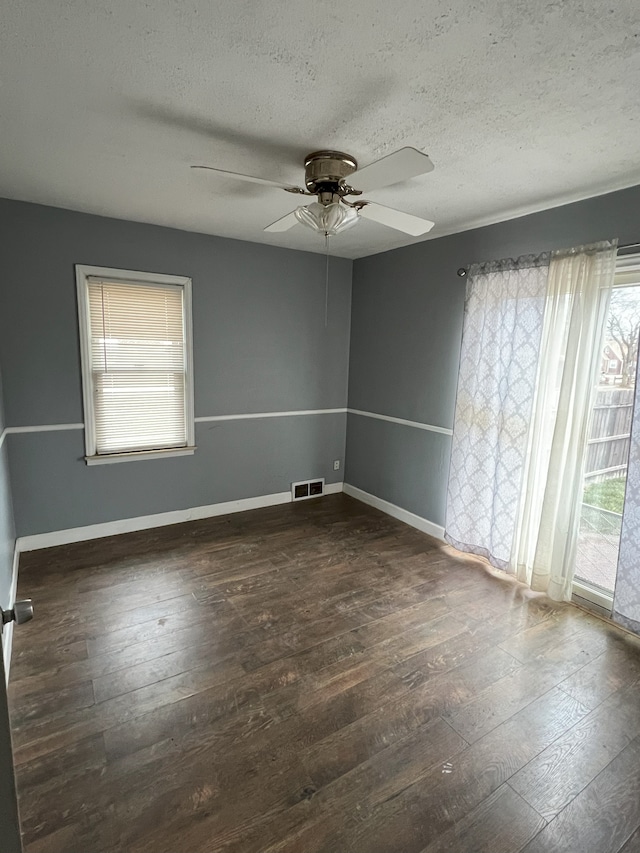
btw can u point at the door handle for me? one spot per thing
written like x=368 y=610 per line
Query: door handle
x=22 y=611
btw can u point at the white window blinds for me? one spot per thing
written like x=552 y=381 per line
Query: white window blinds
x=138 y=365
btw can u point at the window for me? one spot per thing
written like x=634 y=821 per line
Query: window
x=137 y=376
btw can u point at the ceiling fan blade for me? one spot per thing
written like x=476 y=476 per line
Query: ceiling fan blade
x=284 y=223
x=398 y=166
x=249 y=178
x=397 y=219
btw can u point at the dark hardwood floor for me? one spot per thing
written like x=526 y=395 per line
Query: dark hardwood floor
x=315 y=677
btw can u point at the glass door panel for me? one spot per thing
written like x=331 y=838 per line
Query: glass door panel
x=609 y=440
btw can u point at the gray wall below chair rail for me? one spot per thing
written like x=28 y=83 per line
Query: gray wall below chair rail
x=421 y=458
x=406 y=328
x=55 y=490
x=260 y=345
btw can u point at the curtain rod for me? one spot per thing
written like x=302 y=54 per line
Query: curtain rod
x=463 y=271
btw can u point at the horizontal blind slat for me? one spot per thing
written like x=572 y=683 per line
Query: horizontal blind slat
x=138 y=366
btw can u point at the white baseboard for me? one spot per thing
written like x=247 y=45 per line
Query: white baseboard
x=410 y=518
x=333 y=488
x=161 y=519
x=7 y=632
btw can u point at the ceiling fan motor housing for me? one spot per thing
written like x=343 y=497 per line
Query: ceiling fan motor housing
x=325 y=174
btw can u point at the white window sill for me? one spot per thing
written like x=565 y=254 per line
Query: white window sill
x=138 y=455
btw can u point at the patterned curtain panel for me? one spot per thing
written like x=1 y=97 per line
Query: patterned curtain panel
x=504 y=312
x=626 y=599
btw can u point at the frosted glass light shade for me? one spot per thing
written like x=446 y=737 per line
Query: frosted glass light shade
x=329 y=219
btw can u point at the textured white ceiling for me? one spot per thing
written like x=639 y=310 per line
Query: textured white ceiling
x=520 y=104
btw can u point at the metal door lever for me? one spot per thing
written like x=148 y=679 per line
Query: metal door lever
x=22 y=611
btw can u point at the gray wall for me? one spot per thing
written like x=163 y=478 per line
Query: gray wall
x=406 y=327
x=260 y=345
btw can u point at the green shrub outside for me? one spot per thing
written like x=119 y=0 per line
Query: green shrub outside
x=606 y=495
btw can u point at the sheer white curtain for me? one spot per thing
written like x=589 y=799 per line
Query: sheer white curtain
x=504 y=312
x=545 y=537
x=530 y=355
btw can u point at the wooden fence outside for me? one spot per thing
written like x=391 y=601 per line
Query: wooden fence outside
x=609 y=438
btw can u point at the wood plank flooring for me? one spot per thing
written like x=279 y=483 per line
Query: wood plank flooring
x=314 y=677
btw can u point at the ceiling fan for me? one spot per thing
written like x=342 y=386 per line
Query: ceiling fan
x=325 y=176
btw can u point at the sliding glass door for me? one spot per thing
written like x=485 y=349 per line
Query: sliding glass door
x=608 y=444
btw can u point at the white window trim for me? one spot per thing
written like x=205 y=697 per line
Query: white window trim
x=138 y=455
x=594 y=594
x=83 y=273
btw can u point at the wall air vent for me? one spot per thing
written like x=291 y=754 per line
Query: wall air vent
x=306 y=489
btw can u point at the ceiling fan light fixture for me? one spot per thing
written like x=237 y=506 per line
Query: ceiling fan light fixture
x=329 y=219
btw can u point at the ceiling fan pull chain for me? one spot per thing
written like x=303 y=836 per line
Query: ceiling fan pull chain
x=326 y=280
